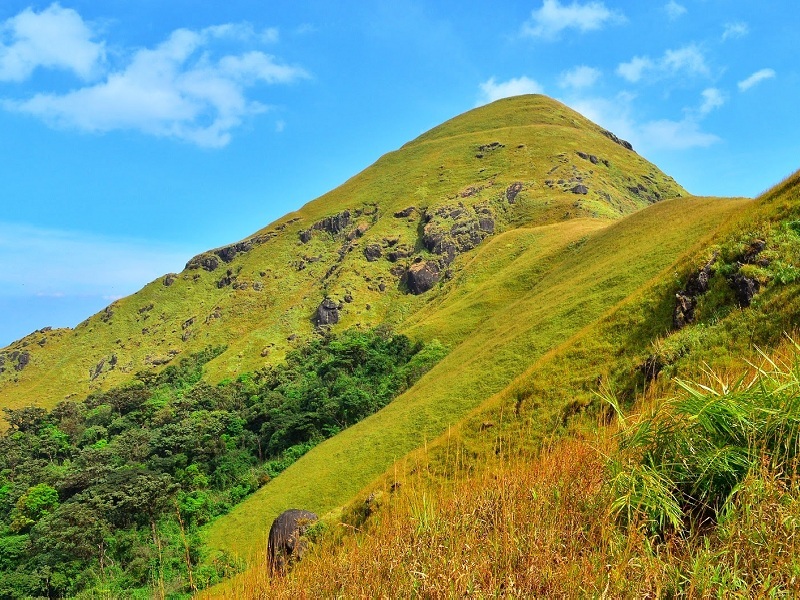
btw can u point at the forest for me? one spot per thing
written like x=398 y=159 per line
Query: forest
x=110 y=493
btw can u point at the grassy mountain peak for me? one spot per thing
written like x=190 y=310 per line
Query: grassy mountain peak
x=378 y=248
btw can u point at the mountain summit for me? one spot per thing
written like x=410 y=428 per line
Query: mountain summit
x=377 y=249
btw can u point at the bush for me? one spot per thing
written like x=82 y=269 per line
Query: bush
x=681 y=463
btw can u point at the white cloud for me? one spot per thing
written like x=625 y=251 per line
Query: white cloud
x=579 y=77
x=55 y=38
x=553 y=18
x=712 y=99
x=735 y=30
x=635 y=69
x=55 y=263
x=688 y=60
x=174 y=90
x=674 y=10
x=616 y=114
x=492 y=90
x=270 y=35
x=677 y=135
x=755 y=79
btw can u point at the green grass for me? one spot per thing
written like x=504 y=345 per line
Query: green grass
x=525 y=309
x=540 y=138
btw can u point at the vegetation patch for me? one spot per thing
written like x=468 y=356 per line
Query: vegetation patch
x=107 y=495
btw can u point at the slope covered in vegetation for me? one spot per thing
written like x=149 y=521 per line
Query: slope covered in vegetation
x=107 y=495
x=559 y=397
x=379 y=247
x=536 y=257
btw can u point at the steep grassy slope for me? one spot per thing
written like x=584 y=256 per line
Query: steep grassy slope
x=522 y=295
x=526 y=161
x=462 y=491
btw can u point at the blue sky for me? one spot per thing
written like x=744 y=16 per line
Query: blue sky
x=134 y=135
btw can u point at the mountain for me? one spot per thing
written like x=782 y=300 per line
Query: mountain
x=517 y=163
x=546 y=256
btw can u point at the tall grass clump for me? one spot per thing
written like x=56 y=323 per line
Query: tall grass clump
x=680 y=463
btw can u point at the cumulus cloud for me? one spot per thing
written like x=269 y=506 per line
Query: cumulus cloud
x=635 y=68
x=735 y=30
x=755 y=79
x=617 y=115
x=712 y=99
x=674 y=10
x=579 y=77
x=553 y=17
x=55 y=38
x=492 y=90
x=688 y=60
x=177 y=89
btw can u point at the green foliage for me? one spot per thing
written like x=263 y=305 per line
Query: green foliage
x=108 y=495
x=683 y=461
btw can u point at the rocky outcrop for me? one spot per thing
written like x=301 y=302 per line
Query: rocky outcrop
x=592 y=158
x=335 y=224
x=228 y=253
x=686 y=299
x=406 y=212
x=205 y=261
x=422 y=276
x=615 y=139
x=169 y=279
x=744 y=288
x=450 y=230
x=399 y=252
x=327 y=313
x=580 y=189
x=512 y=191
x=484 y=149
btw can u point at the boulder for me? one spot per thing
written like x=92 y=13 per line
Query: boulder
x=744 y=288
x=205 y=261
x=286 y=544
x=169 y=279
x=327 y=312
x=580 y=189
x=422 y=276
x=373 y=252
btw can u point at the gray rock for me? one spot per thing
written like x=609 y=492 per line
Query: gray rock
x=512 y=191
x=580 y=189
x=422 y=276
x=286 y=544
x=745 y=288
x=614 y=138
x=205 y=261
x=373 y=252
x=406 y=212
x=327 y=312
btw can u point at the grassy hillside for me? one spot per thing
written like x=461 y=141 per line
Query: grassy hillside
x=479 y=509
x=549 y=259
x=570 y=276
x=526 y=161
